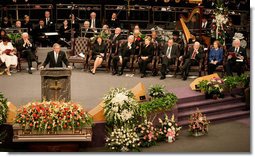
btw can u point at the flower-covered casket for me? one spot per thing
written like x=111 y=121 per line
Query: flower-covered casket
x=52 y=121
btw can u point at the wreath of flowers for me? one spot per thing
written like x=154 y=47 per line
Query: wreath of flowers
x=3 y=109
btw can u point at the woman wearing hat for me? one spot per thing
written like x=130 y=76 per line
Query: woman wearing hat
x=98 y=53
x=7 y=55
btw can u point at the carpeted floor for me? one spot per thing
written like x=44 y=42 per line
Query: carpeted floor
x=225 y=137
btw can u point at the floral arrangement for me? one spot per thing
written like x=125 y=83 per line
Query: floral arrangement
x=123 y=139
x=230 y=82
x=52 y=116
x=168 y=129
x=157 y=91
x=147 y=133
x=219 y=22
x=120 y=107
x=3 y=109
x=198 y=124
x=213 y=88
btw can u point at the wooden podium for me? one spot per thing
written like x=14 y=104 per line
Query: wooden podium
x=56 y=84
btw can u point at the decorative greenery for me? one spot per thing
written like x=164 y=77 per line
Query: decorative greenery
x=52 y=116
x=14 y=37
x=123 y=139
x=3 y=109
x=198 y=123
x=147 y=134
x=158 y=104
x=168 y=129
x=230 y=82
x=120 y=108
x=157 y=91
x=243 y=80
x=203 y=85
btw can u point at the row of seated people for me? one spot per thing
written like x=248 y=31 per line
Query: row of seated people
x=159 y=57
x=11 y=55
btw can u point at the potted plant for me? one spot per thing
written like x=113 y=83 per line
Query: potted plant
x=215 y=88
x=230 y=82
x=168 y=129
x=198 y=124
x=157 y=91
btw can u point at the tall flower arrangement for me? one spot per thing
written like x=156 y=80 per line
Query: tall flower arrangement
x=219 y=22
x=52 y=116
x=3 y=109
x=120 y=108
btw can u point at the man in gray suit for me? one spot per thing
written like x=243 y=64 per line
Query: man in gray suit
x=168 y=54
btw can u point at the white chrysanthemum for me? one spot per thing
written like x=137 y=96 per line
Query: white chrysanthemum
x=119 y=98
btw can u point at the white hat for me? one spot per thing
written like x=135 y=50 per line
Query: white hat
x=238 y=36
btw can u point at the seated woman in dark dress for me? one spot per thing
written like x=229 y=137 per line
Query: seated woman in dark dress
x=145 y=56
x=215 y=57
x=98 y=53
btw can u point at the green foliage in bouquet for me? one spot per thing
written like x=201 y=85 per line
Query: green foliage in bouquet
x=3 y=109
x=122 y=139
x=147 y=133
x=168 y=127
x=52 y=116
x=120 y=108
x=198 y=124
x=14 y=37
x=230 y=82
x=203 y=85
x=243 y=80
x=158 y=104
x=157 y=91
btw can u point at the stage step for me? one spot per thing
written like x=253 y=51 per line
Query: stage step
x=208 y=103
x=214 y=110
x=222 y=117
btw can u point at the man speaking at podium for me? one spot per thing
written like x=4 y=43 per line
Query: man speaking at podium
x=56 y=58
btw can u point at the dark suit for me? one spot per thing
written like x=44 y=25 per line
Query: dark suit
x=50 y=26
x=170 y=59
x=51 y=59
x=75 y=27
x=26 y=51
x=114 y=40
x=65 y=32
x=88 y=33
x=146 y=52
x=233 y=64
x=114 y=24
x=40 y=36
x=98 y=24
x=28 y=26
x=98 y=50
x=189 y=61
x=125 y=52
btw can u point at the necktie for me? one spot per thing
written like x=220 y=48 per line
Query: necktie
x=56 y=57
x=169 y=52
x=194 y=54
x=236 y=50
x=47 y=20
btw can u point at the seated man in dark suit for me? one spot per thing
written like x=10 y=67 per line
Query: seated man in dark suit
x=39 y=35
x=236 y=58
x=49 y=24
x=115 y=38
x=192 y=57
x=125 y=52
x=88 y=32
x=168 y=55
x=27 y=49
x=94 y=23
x=56 y=58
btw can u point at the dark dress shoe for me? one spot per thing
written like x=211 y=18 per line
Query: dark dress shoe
x=184 y=78
x=39 y=63
x=120 y=73
x=114 y=73
x=30 y=71
x=91 y=72
x=162 y=77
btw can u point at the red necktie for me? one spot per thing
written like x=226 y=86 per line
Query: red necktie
x=194 y=54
